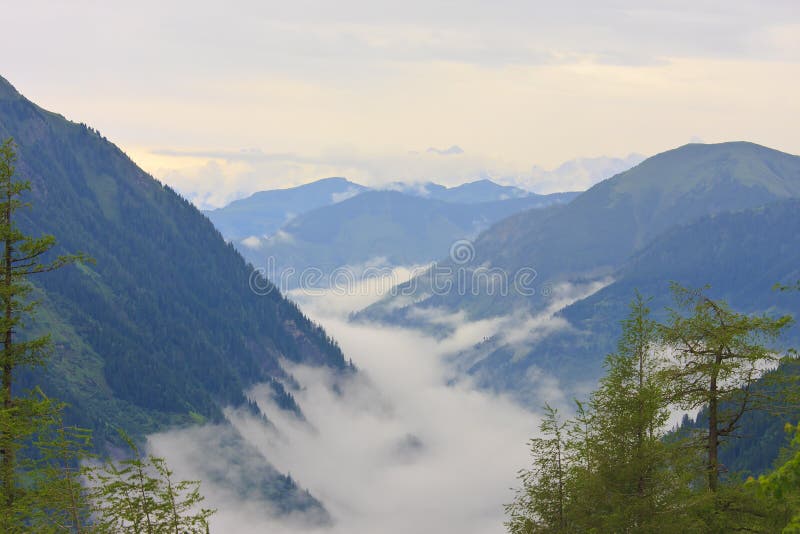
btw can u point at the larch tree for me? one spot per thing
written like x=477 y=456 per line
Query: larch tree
x=540 y=503
x=138 y=495
x=21 y=415
x=719 y=356
x=634 y=465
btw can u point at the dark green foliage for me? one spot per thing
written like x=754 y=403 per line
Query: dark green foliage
x=611 y=471
x=783 y=485
x=762 y=435
x=31 y=489
x=164 y=328
x=60 y=501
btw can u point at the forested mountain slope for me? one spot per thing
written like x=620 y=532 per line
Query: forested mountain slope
x=741 y=255
x=165 y=327
x=596 y=233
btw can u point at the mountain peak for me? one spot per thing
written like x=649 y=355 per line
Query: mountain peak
x=334 y=180
x=7 y=91
x=740 y=148
x=697 y=166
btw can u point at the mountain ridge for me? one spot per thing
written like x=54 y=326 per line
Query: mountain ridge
x=145 y=239
x=391 y=227
x=597 y=232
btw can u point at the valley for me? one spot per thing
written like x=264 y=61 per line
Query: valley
x=383 y=269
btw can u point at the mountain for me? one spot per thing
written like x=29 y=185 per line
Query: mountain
x=595 y=234
x=379 y=227
x=741 y=255
x=473 y=192
x=164 y=329
x=263 y=213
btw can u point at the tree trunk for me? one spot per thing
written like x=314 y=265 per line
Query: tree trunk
x=713 y=436
x=7 y=467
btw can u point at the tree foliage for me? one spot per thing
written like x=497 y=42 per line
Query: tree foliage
x=42 y=483
x=139 y=495
x=615 y=467
x=24 y=417
x=540 y=504
x=720 y=355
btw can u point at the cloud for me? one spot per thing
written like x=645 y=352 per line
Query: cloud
x=344 y=195
x=253 y=242
x=281 y=236
x=322 y=91
x=229 y=175
x=405 y=445
x=453 y=150
x=575 y=175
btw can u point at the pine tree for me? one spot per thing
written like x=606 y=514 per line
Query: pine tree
x=585 y=492
x=41 y=478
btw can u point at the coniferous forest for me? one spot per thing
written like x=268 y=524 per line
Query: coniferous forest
x=46 y=485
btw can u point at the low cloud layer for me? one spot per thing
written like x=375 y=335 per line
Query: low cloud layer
x=407 y=444
x=403 y=446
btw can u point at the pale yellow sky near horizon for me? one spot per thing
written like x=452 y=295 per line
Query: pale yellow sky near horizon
x=219 y=104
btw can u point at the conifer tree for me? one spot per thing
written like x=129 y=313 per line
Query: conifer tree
x=41 y=478
x=138 y=495
x=540 y=504
x=21 y=415
x=719 y=357
x=59 y=500
x=642 y=486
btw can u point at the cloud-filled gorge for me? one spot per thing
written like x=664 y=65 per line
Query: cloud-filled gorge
x=398 y=447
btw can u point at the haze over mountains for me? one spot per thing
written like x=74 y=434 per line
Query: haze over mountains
x=577 y=174
x=263 y=213
x=630 y=231
x=334 y=223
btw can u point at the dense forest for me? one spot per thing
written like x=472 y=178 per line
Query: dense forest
x=47 y=480
x=165 y=300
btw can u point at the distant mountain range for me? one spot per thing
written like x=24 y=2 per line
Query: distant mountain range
x=265 y=212
x=334 y=223
x=381 y=228
x=470 y=193
x=164 y=329
x=722 y=214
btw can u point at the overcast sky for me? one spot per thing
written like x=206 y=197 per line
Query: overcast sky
x=231 y=97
